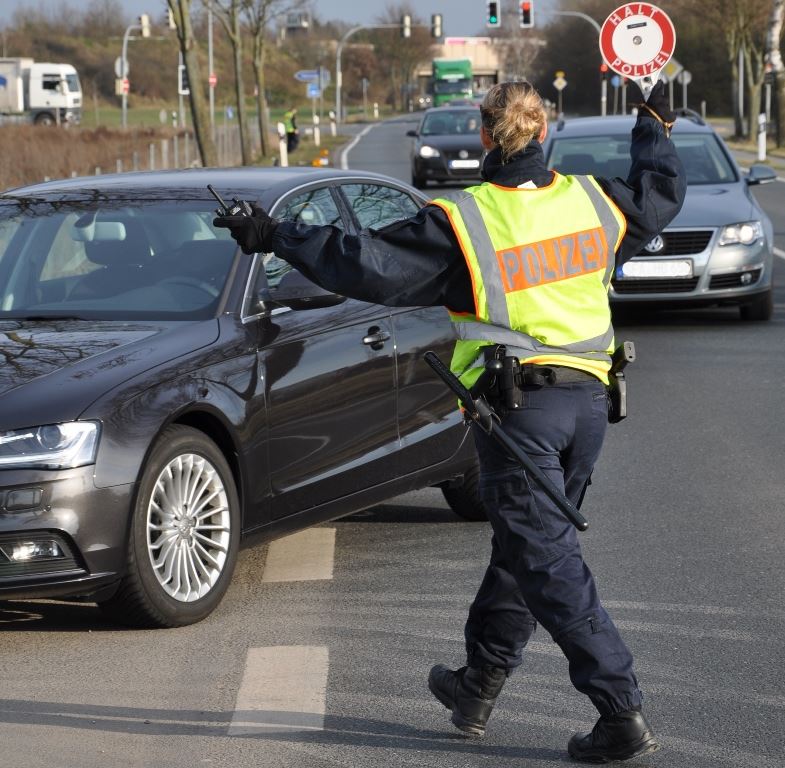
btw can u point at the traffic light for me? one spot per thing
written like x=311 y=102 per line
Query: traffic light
x=527 y=14
x=144 y=22
x=436 y=25
x=493 y=17
x=170 y=19
x=183 y=86
x=406 y=25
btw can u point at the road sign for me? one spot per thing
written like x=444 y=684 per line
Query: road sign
x=307 y=75
x=637 y=40
x=672 y=69
x=118 y=67
x=559 y=83
x=312 y=91
x=684 y=77
x=126 y=85
x=212 y=80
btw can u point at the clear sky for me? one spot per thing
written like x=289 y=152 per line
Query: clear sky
x=461 y=17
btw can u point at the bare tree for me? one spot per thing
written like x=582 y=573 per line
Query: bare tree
x=774 y=61
x=200 y=113
x=398 y=57
x=229 y=14
x=743 y=24
x=259 y=14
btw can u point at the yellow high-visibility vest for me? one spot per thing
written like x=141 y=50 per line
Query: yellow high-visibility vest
x=288 y=121
x=541 y=262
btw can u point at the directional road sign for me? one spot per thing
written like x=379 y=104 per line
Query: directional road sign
x=313 y=91
x=307 y=75
x=637 y=40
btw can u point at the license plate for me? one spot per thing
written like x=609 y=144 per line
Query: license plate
x=464 y=163
x=659 y=268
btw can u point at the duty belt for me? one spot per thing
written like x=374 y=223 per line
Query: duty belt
x=509 y=378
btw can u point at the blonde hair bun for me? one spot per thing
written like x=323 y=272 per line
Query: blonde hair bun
x=513 y=114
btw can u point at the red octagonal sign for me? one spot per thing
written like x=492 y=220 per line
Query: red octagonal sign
x=637 y=40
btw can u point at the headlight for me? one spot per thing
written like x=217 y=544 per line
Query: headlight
x=426 y=151
x=746 y=233
x=53 y=446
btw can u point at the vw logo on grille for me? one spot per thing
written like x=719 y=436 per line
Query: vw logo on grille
x=463 y=154
x=655 y=245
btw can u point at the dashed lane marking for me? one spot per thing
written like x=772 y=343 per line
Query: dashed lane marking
x=284 y=689
x=779 y=252
x=305 y=556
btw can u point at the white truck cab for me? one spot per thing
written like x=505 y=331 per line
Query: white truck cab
x=42 y=93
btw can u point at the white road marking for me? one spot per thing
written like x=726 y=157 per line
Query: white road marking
x=779 y=252
x=284 y=689
x=344 y=157
x=305 y=556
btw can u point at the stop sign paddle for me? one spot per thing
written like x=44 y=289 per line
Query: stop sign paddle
x=637 y=40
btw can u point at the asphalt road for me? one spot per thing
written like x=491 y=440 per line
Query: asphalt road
x=319 y=663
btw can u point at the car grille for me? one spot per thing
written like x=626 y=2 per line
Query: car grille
x=454 y=154
x=682 y=243
x=733 y=280
x=656 y=285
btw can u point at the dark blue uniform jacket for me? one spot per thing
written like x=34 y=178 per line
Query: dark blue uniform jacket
x=418 y=262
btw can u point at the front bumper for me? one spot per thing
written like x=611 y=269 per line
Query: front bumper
x=88 y=524
x=438 y=169
x=733 y=274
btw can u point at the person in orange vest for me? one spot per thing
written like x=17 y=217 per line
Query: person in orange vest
x=523 y=262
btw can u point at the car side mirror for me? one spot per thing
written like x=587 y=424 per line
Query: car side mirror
x=412 y=133
x=760 y=174
x=297 y=292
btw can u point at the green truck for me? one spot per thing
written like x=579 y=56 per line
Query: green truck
x=452 y=80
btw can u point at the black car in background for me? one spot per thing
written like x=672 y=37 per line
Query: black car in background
x=166 y=398
x=447 y=146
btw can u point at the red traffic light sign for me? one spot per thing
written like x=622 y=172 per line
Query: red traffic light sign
x=637 y=40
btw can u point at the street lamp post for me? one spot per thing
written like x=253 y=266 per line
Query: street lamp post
x=124 y=69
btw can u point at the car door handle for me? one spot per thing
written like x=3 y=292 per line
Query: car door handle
x=376 y=337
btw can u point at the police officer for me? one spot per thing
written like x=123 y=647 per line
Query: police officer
x=292 y=132
x=523 y=262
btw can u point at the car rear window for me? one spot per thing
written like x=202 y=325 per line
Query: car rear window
x=451 y=123
x=609 y=157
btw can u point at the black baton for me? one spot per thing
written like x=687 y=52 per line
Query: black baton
x=479 y=411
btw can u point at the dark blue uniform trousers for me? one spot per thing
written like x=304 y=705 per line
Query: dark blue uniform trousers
x=537 y=572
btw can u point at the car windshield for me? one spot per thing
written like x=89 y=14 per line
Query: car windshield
x=609 y=157
x=451 y=123
x=103 y=260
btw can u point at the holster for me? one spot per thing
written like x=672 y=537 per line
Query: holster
x=617 y=394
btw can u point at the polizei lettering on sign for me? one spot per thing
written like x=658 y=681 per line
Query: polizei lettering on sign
x=637 y=40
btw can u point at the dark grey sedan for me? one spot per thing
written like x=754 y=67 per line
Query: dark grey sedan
x=717 y=251
x=447 y=146
x=166 y=398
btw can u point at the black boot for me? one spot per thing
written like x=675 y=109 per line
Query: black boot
x=614 y=737
x=470 y=692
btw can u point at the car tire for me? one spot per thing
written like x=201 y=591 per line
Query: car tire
x=45 y=119
x=760 y=309
x=463 y=495
x=179 y=562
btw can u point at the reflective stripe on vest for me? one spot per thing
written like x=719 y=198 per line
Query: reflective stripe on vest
x=541 y=261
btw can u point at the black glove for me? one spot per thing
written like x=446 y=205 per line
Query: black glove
x=658 y=106
x=254 y=233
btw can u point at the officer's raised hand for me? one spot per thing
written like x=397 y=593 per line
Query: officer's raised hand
x=254 y=233
x=659 y=107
